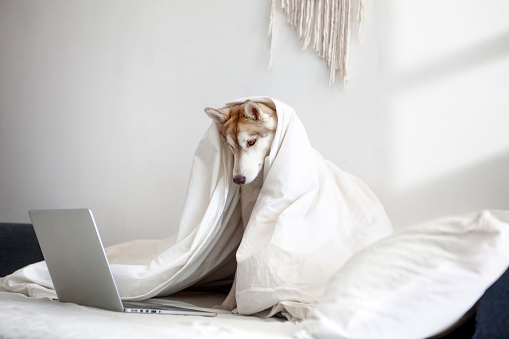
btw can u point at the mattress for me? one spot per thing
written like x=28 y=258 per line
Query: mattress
x=25 y=317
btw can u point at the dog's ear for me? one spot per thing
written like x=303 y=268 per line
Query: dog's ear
x=218 y=115
x=254 y=111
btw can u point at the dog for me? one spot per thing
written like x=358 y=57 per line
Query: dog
x=248 y=129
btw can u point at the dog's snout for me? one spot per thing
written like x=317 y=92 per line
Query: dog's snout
x=239 y=179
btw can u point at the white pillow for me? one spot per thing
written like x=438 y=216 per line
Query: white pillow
x=415 y=283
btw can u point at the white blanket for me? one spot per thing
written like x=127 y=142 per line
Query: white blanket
x=309 y=219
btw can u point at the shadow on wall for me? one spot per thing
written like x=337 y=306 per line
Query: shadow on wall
x=478 y=54
x=482 y=186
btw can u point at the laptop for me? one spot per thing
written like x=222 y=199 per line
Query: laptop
x=78 y=265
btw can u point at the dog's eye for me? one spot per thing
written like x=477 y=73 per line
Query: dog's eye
x=251 y=142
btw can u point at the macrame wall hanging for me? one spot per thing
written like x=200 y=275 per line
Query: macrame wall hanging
x=327 y=24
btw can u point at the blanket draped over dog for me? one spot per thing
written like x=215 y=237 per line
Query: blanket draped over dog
x=310 y=217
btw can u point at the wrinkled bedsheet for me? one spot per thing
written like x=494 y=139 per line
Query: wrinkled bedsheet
x=24 y=317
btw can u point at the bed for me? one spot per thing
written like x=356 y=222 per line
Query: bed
x=25 y=317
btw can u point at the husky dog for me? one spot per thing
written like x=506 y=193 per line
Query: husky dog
x=249 y=130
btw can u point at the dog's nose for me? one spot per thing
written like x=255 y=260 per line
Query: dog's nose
x=239 y=179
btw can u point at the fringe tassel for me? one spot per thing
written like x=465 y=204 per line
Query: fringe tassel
x=328 y=23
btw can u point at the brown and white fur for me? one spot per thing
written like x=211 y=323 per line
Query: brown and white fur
x=249 y=130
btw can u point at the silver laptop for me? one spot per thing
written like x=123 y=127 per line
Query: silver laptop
x=78 y=265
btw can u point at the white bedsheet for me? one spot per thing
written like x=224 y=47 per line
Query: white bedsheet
x=24 y=317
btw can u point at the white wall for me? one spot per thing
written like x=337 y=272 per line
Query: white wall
x=101 y=103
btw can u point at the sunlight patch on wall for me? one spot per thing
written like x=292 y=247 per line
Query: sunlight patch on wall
x=447 y=80
x=436 y=133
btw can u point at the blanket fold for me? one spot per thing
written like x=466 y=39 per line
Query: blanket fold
x=310 y=217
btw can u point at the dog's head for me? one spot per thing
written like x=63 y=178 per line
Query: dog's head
x=249 y=130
